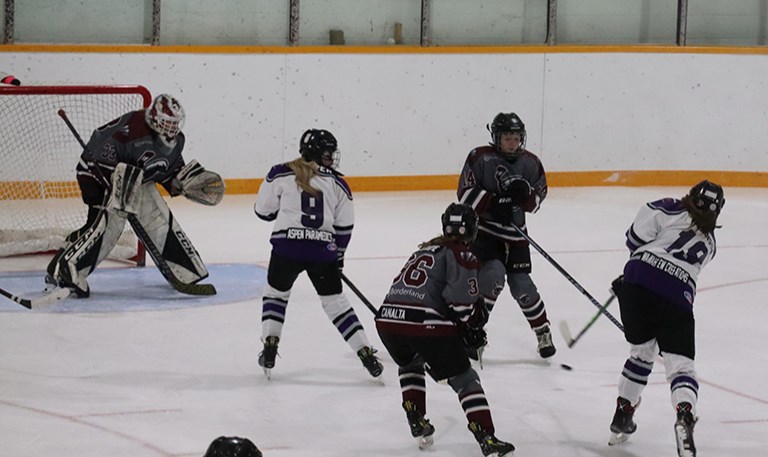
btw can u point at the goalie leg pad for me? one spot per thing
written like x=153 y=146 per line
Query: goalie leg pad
x=80 y=258
x=157 y=222
x=126 y=189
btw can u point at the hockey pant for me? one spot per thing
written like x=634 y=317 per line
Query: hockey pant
x=336 y=307
x=154 y=222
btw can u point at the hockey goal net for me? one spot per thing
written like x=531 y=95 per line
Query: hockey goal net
x=40 y=200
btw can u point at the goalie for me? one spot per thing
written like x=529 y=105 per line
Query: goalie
x=117 y=174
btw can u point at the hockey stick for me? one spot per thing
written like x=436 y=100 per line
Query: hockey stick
x=33 y=303
x=568 y=277
x=358 y=293
x=566 y=332
x=154 y=252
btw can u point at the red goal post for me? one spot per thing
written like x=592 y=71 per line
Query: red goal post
x=39 y=198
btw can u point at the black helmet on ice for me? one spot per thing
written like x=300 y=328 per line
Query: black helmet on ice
x=232 y=446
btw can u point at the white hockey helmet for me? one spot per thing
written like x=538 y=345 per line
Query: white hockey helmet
x=165 y=116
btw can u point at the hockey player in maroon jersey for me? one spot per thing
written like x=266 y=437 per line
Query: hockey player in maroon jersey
x=117 y=173
x=502 y=181
x=670 y=241
x=311 y=205
x=433 y=311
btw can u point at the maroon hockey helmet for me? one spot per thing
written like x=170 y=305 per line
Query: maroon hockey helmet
x=460 y=221
x=232 y=446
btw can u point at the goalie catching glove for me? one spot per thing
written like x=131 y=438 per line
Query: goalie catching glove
x=199 y=185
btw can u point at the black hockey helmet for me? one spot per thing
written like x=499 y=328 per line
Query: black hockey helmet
x=232 y=446
x=460 y=221
x=321 y=147
x=707 y=195
x=507 y=123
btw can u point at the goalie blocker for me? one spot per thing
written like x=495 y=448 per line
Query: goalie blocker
x=155 y=221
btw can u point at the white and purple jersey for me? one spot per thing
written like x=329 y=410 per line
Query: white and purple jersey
x=667 y=251
x=308 y=227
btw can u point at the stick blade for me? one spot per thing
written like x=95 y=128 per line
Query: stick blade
x=565 y=331
x=195 y=289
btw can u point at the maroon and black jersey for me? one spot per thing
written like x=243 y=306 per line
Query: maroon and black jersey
x=128 y=139
x=481 y=178
x=436 y=288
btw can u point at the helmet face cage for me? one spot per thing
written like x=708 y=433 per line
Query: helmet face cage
x=165 y=116
x=321 y=147
x=507 y=123
x=708 y=196
x=232 y=446
x=460 y=221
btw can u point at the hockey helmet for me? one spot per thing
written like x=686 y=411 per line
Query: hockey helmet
x=460 y=221
x=165 y=116
x=507 y=123
x=232 y=446
x=321 y=147
x=707 y=196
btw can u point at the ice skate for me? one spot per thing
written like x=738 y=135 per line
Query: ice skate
x=489 y=444
x=546 y=347
x=622 y=425
x=421 y=429
x=684 y=430
x=268 y=354
x=370 y=361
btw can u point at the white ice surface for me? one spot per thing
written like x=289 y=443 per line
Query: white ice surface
x=164 y=383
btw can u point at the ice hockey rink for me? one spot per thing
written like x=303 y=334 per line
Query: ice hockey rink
x=140 y=371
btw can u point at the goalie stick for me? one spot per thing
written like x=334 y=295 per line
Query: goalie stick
x=33 y=303
x=154 y=252
x=358 y=293
x=566 y=332
x=570 y=278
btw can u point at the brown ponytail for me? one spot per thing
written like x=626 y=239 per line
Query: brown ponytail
x=704 y=219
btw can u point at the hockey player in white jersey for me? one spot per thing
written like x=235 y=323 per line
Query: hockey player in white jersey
x=311 y=205
x=670 y=241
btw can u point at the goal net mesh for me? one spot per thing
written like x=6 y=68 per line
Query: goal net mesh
x=40 y=200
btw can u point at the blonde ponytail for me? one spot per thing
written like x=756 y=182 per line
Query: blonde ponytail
x=304 y=172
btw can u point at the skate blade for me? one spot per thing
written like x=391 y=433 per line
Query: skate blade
x=681 y=435
x=268 y=373
x=618 y=438
x=425 y=441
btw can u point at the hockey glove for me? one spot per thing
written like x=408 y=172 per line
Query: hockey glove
x=502 y=209
x=517 y=189
x=479 y=316
x=474 y=339
x=199 y=185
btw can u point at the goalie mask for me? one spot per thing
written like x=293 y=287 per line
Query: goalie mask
x=460 y=221
x=166 y=117
x=707 y=196
x=232 y=446
x=320 y=146
x=507 y=123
